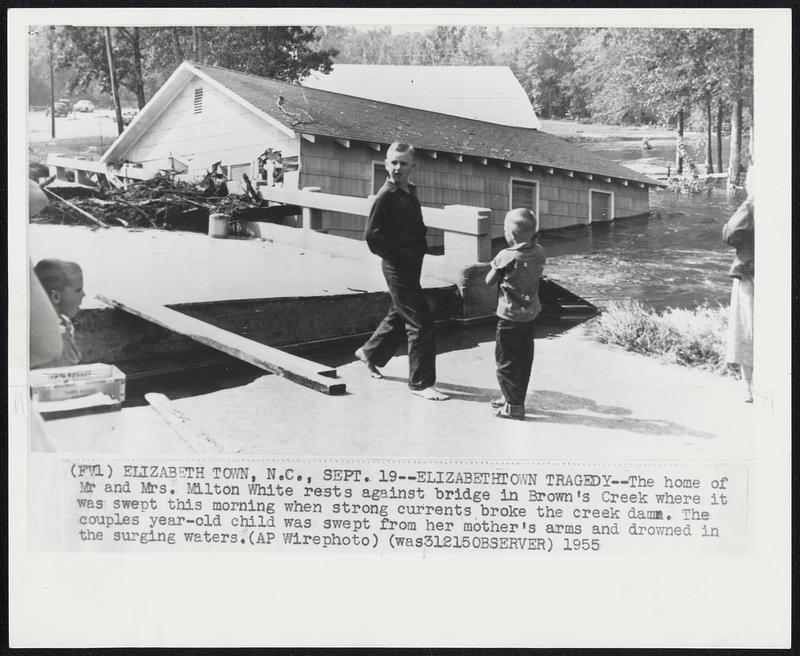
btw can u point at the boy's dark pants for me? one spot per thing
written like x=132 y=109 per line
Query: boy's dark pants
x=514 y=356
x=409 y=316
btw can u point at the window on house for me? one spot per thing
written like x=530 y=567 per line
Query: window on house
x=235 y=171
x=524 y=194
x=379 y=176
x=601 y=205
x=198 y=100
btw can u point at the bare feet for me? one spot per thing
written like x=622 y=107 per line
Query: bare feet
x=431 y=393
x=508 y=411
x=373 y=370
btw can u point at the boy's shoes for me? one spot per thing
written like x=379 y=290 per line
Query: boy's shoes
x=508 y=411
x=373 y=370
x=498 y=402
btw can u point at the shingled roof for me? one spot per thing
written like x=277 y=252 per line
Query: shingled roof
x=301 y=110
x=325 y=113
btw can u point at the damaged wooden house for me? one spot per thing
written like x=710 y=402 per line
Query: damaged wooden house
x=299 y=137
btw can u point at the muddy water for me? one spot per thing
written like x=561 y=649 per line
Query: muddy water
x=674 y=258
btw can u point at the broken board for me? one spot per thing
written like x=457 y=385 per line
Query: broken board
x=292 y=367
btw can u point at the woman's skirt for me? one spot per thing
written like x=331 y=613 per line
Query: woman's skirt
x=740 y=323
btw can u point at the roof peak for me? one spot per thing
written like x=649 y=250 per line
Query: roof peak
x=349 y=95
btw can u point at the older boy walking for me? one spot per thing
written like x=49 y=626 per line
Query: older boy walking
x=395 y=231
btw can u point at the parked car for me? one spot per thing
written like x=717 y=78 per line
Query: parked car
x=61 y=108
x=84 y=106
x=128 y=115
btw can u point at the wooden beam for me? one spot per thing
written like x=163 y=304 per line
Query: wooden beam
x=80 y=211
x=458 y=157
x=607 y=179
x=374 y=146
x=588 y=176
x=482 y=160
x=293 y=368
x=550 y=170
x=343 y=142
x=570 y=173
x=641 y=184
x=430 y=153
x=529 y=168
x=507 y=164
x=309 y=137
x=624 y=183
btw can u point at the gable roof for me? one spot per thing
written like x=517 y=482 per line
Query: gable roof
x=301 y=110
x=484 y=93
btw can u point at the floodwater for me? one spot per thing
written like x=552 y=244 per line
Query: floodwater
x=673 y=258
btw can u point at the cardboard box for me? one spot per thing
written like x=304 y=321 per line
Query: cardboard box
x=80 y=386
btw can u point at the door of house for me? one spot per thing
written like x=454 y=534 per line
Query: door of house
x=379 y=176
x=601 y=205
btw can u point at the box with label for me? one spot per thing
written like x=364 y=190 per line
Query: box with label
x=76 y=387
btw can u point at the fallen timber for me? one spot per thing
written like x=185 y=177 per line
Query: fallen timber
x=293 y=368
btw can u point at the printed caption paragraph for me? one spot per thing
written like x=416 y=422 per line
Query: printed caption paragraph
x=274 y=505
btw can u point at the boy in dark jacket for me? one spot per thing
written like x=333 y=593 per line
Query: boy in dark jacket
x=395 y=232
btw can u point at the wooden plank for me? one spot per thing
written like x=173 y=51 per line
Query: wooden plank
x=343 y=142
x=294 y=368
x=308 y=137
x=466 y=220
x=78 y=209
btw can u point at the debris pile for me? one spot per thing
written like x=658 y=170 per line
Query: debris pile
x=160 y=202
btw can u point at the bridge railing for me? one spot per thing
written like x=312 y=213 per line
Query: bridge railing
x=466 y=229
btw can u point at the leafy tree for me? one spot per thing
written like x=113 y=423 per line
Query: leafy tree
x=543 y=60
x=279 y=52
x=145 y=56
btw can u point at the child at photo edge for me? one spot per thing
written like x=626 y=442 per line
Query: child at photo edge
x=63 y=284
x=517 y=270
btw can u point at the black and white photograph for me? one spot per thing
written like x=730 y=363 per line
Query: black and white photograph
x=424 y=330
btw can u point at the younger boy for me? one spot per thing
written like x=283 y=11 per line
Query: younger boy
x=63 y=283
x=517 y=270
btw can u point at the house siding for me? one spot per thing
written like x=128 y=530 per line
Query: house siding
x=223 y=131
x=563 y=200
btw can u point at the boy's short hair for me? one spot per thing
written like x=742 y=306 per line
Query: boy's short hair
x=52 y=273
x=402 y=147
x=523 y=223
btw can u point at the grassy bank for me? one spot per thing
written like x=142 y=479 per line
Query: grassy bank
x=693 y=338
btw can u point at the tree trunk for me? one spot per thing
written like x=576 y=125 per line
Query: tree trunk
x=176 y=43
x=678 y=149
x=734 y=162
x=709 y=137
x=752 y=143
x=112 y=73
x=197 y=44
x=719 y=137
x=52 y=90
x=137 y=66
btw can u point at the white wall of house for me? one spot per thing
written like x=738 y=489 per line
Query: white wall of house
x=215 y=128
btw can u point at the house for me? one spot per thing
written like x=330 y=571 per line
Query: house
x=205 y=114
x=484 y=93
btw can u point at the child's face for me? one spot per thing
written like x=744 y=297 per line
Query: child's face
x=507 y=231
x=68 y=300
x=399 y=166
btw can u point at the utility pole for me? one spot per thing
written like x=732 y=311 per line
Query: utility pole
x=113 y=74
x=52 y=89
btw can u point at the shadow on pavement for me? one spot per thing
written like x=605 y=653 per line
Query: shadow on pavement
x=545 y=406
